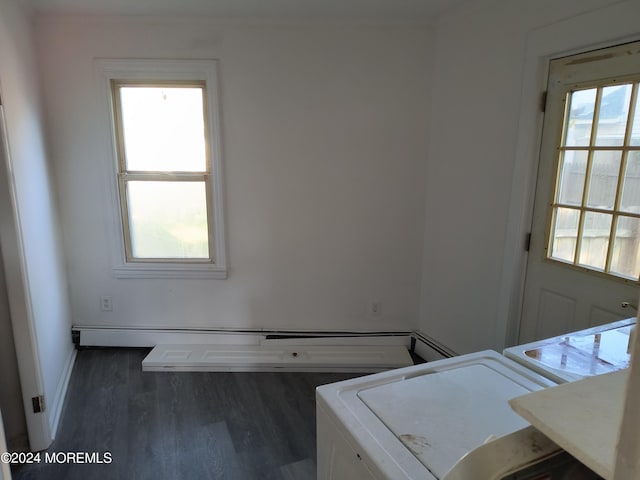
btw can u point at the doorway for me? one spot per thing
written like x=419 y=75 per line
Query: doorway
x=584 y=257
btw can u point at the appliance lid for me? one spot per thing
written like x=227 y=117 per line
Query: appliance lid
x=580 y=354
x=441 y=416
x=587 y=355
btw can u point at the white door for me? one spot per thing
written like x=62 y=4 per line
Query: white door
x=584 y=255
x=29 y=366
x=5 y=472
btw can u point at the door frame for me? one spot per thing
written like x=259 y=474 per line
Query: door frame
x=578 y=34
x=554 y=298
x=24 y=333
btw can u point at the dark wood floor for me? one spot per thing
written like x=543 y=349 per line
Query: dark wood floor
x=184 y=425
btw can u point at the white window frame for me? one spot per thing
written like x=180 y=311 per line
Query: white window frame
x=136 y=70
x=602 y=67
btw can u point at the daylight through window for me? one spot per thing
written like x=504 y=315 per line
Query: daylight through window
x=595 y=220
x=163 y=170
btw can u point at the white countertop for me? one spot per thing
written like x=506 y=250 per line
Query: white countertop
x=582 y=417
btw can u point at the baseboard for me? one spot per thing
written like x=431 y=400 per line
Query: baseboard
x=58 y=401
x=104 y=336
x=89 y=336
x=134 y=337
x=430 y=349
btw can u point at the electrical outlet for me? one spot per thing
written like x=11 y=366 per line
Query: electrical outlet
x=375 y=309
x=106 y=304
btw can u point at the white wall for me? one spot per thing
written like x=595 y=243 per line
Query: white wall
x=473 y=248
x=324 y=133
x=35 y=271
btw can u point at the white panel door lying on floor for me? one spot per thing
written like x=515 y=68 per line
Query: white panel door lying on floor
x=265 y=358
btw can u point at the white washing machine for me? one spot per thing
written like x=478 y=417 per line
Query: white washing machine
x=450 y=418
x=419 y=422
x=577 y=355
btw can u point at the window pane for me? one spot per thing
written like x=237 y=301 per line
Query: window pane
x=572 y=173
x=578 y=127
x=595 y=240
x=168 y=219
x=625 y=248
x=163 y=129
x=605 y=168
x=635 y=127
x=614 y=112
x=630 y=201
x=565 y=233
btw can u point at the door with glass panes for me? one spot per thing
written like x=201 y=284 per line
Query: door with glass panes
x=584 y=256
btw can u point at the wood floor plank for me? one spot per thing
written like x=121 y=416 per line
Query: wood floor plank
x=302 y=470
x=260 y=463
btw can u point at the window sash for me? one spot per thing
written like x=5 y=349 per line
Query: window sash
x=124 y=176
x=583 y=209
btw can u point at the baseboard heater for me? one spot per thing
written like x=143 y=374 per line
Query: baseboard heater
x=276 y=358
x=429 y=348
x=195 y=349
x=103 y=336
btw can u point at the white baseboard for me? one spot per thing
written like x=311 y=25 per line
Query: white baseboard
x=104 y=336
x=124 y=337
x=61 y=392
x=427 y=353
x=399 y=340
x=430 y=349
x=150 y=337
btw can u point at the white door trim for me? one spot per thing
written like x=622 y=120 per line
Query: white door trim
x=29 y=366
x=575 y=35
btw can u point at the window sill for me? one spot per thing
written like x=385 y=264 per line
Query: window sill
x=163 y=270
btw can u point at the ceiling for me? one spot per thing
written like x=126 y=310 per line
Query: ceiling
x=393 y=10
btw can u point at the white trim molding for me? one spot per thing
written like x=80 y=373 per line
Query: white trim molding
x=105 y=336
x=162 y=70
x=430 y=349
x=61 y=392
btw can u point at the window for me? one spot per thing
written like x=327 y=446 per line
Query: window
x=167 y=168
x=595 y=212
x=163 y=168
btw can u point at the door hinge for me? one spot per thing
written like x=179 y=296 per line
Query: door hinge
x=38 y=404
x=527 y=242
x=543 y=101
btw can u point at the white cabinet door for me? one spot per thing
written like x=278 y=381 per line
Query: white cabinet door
x=589 y=170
